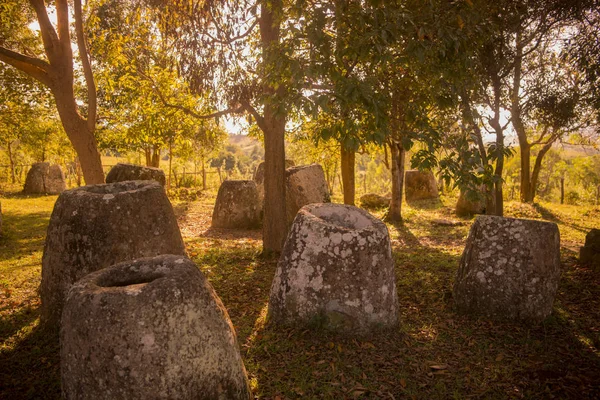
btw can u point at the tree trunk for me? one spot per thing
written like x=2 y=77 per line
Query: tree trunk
x=537 y=167
x=526 y=192
x=348 y=177
x=562 y=190
x=12 y=161
x=273 y=126
x=398 y=157
x=203 y=175
x=155 y=162
x=170 y=163
x=148 y=155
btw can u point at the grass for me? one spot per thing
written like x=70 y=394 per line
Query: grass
x=434 y=354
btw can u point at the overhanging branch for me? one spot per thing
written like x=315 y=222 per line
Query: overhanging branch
x=33 y=67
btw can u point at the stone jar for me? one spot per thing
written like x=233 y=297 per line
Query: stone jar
x=151 y=328
x=470 y=205
x=337 y=270
x=93 y=227
x=420 y=185
x=374 y=201
x=237 y=206
x=259 y=177
x=131 y=172
x=43 y=178
x=589 y=254
x=304 y=184
x=509 y=270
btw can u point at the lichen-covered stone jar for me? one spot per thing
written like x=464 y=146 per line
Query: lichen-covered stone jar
x=131 y=172
x=152 y=328
x=95 y=226
x=509 y=270
x=337 y=270
x=237 y=206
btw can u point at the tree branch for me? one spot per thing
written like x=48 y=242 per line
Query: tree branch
x=87 y=68
x=33 y=67
x=260 y=121
x=49 y=36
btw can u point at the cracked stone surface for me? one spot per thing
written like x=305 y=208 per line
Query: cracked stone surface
x=131 y=172
x=336 y=269
x=237 y=206
x=305 y=184
x=509 y=270
x=589 y=254
x=43 y=178
x=151 y=328
x=95 y=226
x=420 y=185
x=259 y=177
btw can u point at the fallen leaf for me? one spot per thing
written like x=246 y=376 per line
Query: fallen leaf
x=439 y=367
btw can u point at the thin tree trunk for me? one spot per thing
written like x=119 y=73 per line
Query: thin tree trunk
x=348 y=177
x=12 y=161
x=203 y=175
x=398 y=160
x=537 y=167
x=155 y=160
x=562 y=190
x=170 y=163
x=148 y=155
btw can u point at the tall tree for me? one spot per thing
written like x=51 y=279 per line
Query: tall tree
x=55 y=69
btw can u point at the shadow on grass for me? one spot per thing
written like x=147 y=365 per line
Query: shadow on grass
x=426 y=204
x=12 y=323
x=22 y=234
x=31 y=369
x=549 y=216
x=232 y=234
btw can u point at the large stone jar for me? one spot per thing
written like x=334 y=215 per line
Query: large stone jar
x=152 y=328
x=131 y=172
x=420 y=185
x=259 y=177
x=93 y=227
x=43 y=178
x=304 y=184
x=589 y=254
x=509 y=270
x=336 y=269
x=237 y=206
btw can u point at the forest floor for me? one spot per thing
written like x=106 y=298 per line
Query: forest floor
x=434 y=354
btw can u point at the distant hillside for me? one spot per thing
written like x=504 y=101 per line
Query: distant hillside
x=245 y=142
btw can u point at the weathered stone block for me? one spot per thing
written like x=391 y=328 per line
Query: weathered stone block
x=43 y=178
x=420 y=185
x=237 y=206
x=337 y=269
x=131 y=172
x=510 y=269
x=589 y=254
x=93 y=227
x=305 y=184
x=151 y=328
x=259 y=177
x=374 y=201
x=470 y=205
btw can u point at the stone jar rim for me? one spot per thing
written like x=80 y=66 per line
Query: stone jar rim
x=137 y=166
x=115 y=188
x=367 y=222
x=136 y=274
